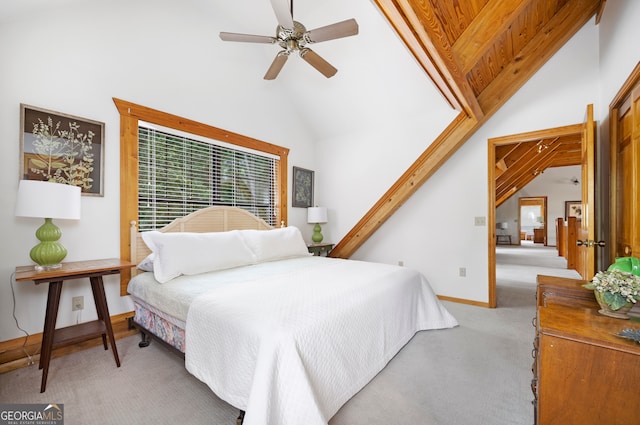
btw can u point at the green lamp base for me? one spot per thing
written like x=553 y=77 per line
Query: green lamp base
x=317 y=236
x=49 y=253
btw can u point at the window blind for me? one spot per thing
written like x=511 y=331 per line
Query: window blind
x=178 y=175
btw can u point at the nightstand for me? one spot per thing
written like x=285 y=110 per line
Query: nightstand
x=318 y=249
x=52 y=337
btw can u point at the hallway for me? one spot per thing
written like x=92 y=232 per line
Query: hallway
x=519 y=265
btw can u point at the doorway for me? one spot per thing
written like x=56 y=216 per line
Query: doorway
x=532 y=219
x=515 y=161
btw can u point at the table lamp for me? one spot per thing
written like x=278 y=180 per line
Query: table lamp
x=316 y=215
x=48 y=200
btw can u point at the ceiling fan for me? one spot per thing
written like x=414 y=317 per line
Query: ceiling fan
x=292 y=36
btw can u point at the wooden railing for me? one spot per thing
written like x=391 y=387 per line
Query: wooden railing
x=566 y=241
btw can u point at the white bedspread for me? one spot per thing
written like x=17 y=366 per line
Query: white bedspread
x=292 y=348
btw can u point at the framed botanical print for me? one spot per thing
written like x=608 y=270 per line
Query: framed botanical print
x=572 y=209
x=61 y=148
x=302 y=188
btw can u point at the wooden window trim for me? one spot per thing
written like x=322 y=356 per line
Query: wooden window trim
x=130 y=115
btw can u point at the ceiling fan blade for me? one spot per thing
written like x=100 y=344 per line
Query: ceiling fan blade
x=283 y=13
x=247 y=38
x=276 y=66
x=330 y=32
x=318 y=63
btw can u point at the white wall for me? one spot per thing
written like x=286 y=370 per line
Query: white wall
x=434 y=231
x=73 y=56
x=74 y=59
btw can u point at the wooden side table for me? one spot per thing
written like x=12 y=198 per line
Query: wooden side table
x=319 y=249
x=52 y=337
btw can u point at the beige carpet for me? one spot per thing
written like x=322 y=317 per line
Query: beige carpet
x=478 y=373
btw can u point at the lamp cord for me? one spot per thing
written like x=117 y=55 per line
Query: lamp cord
x=24 y=344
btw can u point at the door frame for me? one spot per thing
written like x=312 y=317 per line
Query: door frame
x=491 y=214
x=532 y=201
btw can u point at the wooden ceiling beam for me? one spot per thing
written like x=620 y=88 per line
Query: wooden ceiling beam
x=527 y=164
x=522 y=150
x=508 y=195
x=561 y=132
x=485 y=29
x=504 y=151
x=454 y=136
x=400 y=22
x=559 y=29
x=533 y=172
x=422 y=18
x=417 y=24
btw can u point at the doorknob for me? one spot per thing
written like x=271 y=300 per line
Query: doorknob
x=590 y=244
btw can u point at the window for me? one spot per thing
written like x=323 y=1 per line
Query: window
x=179 y=174
x=133 y=117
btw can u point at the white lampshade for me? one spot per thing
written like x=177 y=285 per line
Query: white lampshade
x=317 y=215
x=48 y=200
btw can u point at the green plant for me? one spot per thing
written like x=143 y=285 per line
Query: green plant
x=631 y=334
x=616 y=287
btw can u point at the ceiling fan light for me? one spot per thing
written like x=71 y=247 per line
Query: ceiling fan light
x=293 y=36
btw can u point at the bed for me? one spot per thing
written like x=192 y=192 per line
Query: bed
x=284 y=336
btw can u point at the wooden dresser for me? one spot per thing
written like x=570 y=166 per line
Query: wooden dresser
x=582 y=372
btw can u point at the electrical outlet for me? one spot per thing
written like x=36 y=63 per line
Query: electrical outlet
x=77 y=303
x=480 y=221
x=401 y=263
x=463 y=272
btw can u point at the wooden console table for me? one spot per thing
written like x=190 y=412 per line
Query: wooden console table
x=318 y=249
x=52 y=337
x=582 y=372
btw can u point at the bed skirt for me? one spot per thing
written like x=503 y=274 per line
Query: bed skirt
x=159 y=324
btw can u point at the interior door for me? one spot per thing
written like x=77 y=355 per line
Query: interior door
x=625 y=157
x=586 y=235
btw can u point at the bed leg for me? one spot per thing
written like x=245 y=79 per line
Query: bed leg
x=145 y=340
x=240 y=418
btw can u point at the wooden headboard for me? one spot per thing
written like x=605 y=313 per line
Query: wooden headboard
x=211 y=219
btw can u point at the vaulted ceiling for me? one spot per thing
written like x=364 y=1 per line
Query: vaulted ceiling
x=479 y=53
x=527 y=156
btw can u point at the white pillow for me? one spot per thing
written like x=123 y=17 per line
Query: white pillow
x=146 y=265
x=276 y=244
x=187 y=253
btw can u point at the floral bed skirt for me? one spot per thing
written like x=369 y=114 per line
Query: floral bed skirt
x=165 y=327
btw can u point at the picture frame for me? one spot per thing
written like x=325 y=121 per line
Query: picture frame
x=302 y=196
x=62 y=148
x=572 y=209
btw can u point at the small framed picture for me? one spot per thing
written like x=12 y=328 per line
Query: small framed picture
x=573 y=209
x=302 y=188
x=61 y=148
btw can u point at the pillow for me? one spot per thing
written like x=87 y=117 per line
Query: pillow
x=276 y=244
x=146 y=265
x=187 y=253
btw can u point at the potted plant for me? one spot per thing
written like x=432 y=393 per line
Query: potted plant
x=616 y=291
